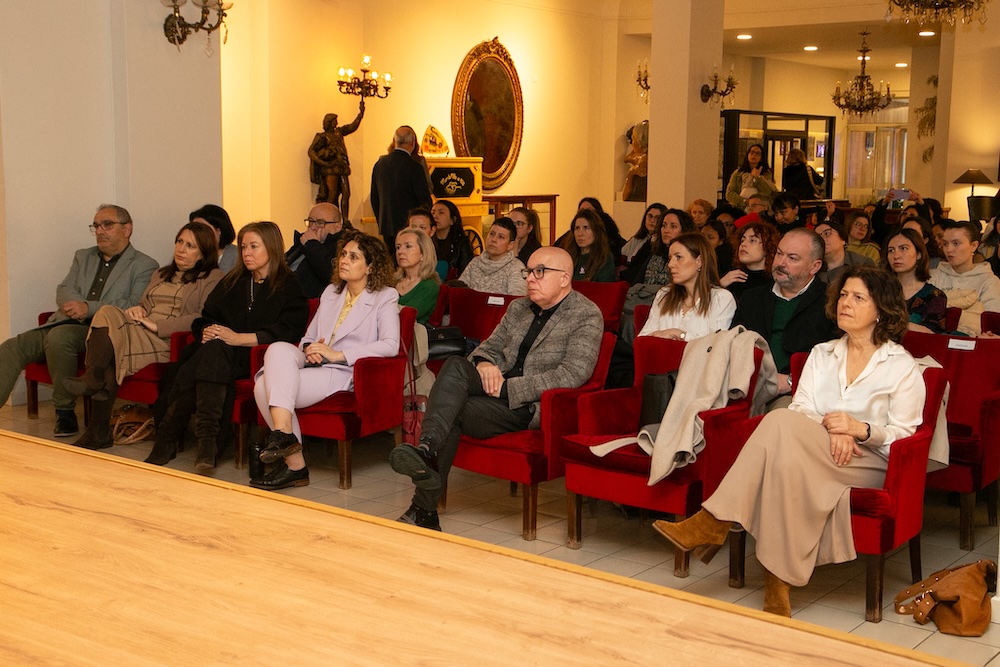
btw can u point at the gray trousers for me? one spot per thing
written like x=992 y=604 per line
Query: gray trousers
x=59 y=347
x=458 y=404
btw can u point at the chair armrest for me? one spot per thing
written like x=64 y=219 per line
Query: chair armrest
x=257 y=358
x=596 y=419
x=44 y=317
x=727 y=429
x=378 y=386
x=178 y=341
x=907 y=468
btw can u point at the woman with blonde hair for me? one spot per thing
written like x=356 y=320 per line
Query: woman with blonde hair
x=701 y=211
x=693 y=304
x=417 y=280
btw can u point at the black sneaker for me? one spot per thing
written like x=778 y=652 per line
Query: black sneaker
x=66 y=424
x=417 y=463
x=421 y=518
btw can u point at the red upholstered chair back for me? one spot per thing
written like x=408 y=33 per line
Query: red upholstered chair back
x=952 y=316
x=609 y=297
x=440 y=308
x=477 y=314
x=990 y=322
x=640 y=315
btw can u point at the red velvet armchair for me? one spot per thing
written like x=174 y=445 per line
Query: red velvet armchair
x=973 y=421
x=609 y=297
x=476 y=314
x=882 y=519
x=374 y=405
x=623 y=475
x=533 y=456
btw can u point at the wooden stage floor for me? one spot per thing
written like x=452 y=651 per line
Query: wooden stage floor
x=105 y=561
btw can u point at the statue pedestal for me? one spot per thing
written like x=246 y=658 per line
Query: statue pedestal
x=460 y=180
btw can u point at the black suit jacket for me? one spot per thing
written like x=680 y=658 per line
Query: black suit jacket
x=808 y=325
x=398 y=185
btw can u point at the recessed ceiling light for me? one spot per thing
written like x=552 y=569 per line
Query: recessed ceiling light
x=926 y=33
x=744 y=36
x=901 y=65
x=810 y=48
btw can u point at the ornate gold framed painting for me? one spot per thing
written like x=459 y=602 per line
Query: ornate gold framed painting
x=487 y=115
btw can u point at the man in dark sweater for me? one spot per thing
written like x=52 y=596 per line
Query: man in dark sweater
x=790 y=315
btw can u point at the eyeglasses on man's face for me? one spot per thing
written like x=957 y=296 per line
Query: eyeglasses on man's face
x=103 y=226
x=538 y=271
x=313 y=222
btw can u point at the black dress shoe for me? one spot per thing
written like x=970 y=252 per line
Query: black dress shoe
x=279 y=445
x=417 y=463
x=421 y=518
x=66 y=424
x=282 y=477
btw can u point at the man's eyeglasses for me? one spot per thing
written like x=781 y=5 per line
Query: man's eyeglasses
x=313 y=222
x=538 y=271
x=102 y=226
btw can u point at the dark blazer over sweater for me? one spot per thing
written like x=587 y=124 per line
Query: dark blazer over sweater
x=807 y=326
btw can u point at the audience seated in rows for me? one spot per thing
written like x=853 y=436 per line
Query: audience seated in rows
x=930 y=239
x=859 y=234
x=971 y=286
x=615 y=240
x=421 y=218
x=785 y=214
x=122 y=341
x=497 y=270
x=715 y=232
x=258 y=303
x=218 y=219
x=358 y=317
x=906 y=257
x=111 y=273
x=789 y=485
x=549 y=340
x=701 y=211
x=451 y=245
x=650 y=222
x=416 y=279
x=836 y=256
x=312 y=253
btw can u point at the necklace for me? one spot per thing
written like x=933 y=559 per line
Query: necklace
x=253 y=281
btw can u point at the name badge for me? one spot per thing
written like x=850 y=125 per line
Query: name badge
x=961 y=344
x=494 y=301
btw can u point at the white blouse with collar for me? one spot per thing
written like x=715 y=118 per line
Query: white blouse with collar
x=719 y=316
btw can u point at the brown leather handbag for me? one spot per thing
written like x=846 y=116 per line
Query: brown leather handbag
x=956 y=599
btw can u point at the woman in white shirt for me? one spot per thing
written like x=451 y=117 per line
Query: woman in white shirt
x=790 y=485
x=693 y=304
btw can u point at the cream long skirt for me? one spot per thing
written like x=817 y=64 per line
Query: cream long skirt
x=135 y=345
x=786 y=491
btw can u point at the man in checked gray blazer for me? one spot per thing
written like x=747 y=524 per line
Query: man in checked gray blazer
x=112 y=273
x=549 y=340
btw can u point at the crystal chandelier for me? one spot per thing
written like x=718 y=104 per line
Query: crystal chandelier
x=937 y=11
x=861 y=97
x=176 y=29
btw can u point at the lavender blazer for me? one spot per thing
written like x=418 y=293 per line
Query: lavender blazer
x=371 y=329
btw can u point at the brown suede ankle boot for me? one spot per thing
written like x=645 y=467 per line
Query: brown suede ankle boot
x=701 y=533
x=776 y=595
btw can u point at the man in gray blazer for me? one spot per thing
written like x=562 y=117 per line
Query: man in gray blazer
x=112 y=273
x=549 y=340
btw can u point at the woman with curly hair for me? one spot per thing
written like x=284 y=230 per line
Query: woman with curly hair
x=790 y=485
x=358 y=317
x=587 y=244
x=755 y=245
x=417 y=279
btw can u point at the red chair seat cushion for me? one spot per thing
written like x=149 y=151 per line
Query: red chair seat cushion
x=877 y=503
x=630 y=459
x=342 y=401
x=524 y=442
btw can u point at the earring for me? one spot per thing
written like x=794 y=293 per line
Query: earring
x=877 y=320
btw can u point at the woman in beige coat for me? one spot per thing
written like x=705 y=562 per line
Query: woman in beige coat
x=123 y=341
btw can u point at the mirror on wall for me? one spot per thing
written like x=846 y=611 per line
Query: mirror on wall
x=487 y=115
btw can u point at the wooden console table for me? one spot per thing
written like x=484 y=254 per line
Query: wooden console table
x=500 y=205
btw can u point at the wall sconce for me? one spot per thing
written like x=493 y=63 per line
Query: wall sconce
x=973 y=177
x=714 y=95
x=368 y=84
x=176 y=29
x=642 y=79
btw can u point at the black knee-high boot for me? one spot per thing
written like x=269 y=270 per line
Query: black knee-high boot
x=170 y=428
x=100 y=363
x=211 y=401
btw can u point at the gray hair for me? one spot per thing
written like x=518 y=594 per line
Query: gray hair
x=121 y=213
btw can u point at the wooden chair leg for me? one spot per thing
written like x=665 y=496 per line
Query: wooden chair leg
x=344 y=461
x=916 y=571
x=875 y=565
x=991 y=502
x=574 y=520
x=31 y=388
x=242 y=445
x=737 y=558
x=513 y=489
x=966 y=518
x=397 y=435
x=682 y=563
x=529 y=512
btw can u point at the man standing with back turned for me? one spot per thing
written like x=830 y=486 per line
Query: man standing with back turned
x=398 y=185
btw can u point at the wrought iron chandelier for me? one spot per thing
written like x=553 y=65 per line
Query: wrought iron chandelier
x=937 y=11
x=861 y=97
x=176 y=29
x=369 y=84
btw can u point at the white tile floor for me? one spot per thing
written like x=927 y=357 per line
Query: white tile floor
x=481 y=508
